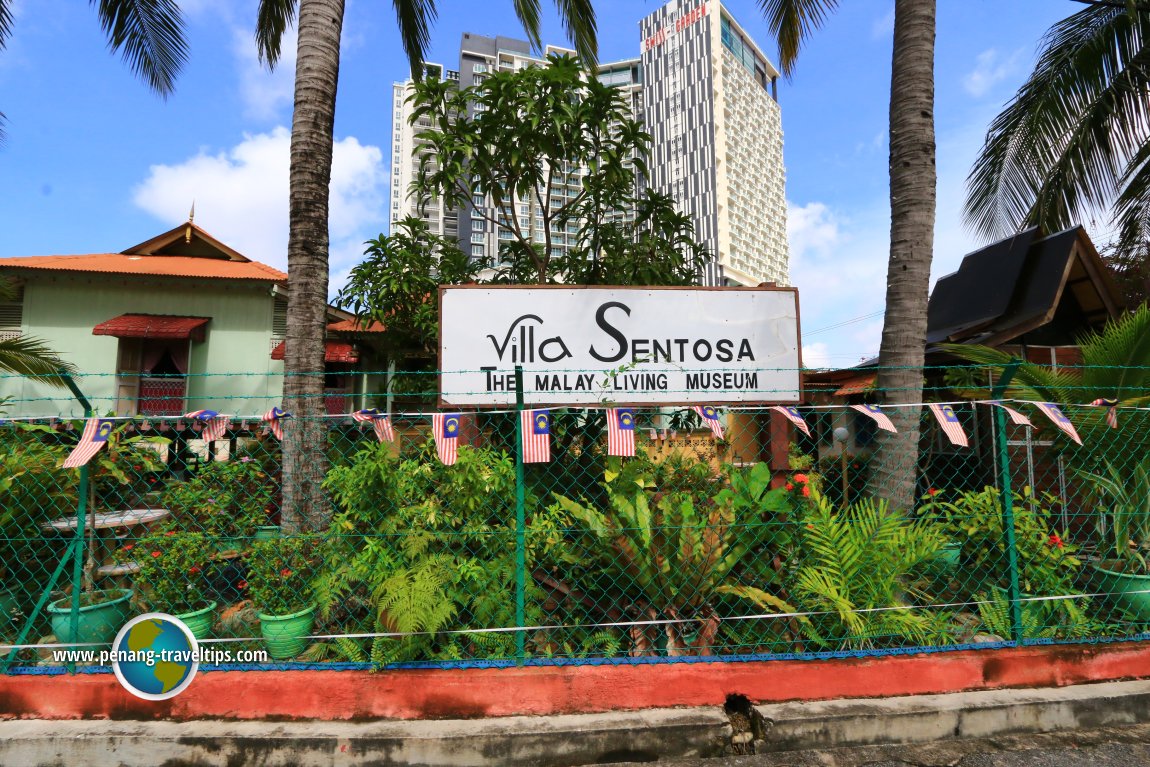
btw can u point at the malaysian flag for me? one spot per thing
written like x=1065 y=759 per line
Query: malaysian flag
x=535 y=426
x=949 y=422
x=875 y=412
x=214 y=424
x=621 y=431
x=1018 y=418
x=1111 y=412
x=794 y=416
x=273 y=420
x=95 y=436
x=445 y=429
x=379 y=422
x=710 y=417
x=1061 y=421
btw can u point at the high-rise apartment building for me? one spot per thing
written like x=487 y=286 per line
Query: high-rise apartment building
x=709 y=105
x=406 y=151
x=704 y=91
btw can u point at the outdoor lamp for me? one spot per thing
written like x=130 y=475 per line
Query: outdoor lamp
x=842 y=434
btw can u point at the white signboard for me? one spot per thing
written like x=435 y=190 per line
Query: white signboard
x=585 y=346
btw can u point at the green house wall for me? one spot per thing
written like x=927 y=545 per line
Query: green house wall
x=231 y=370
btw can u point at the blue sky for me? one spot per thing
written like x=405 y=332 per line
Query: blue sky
x=94 y=162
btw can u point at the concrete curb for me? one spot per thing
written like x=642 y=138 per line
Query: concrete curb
x=928 y=718
x=557 y=741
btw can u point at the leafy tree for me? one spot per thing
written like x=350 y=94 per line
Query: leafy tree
x=313 y=117
x=1076 y=137
x=913 y=182
x=396 y=285
x=513 y=137
x=148 y=33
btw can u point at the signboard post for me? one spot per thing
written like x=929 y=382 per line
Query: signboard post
x=638 y=346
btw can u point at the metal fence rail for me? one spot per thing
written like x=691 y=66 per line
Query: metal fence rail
x=732 y=538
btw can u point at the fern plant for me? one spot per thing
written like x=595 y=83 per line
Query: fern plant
x=674 y=555
x=858 y=576
x=425 y=551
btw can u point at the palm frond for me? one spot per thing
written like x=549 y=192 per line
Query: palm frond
x=151 y=35
x=273 y=18
x=792 y=22
x=529 y=13
x=1131 y=214
x=414 y=18
x=578 y=17
x=31 y=357
x=1060 y=147
x=5 y=22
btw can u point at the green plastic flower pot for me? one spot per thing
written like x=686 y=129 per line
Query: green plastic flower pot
x=1125 y=591
x=200 y=622
x=949 y=554
x=284 y=634
x=267 y=532
x=102 y=614
x=228 y=545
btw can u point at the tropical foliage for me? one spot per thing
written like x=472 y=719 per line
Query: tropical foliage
x=1076 y=137
x=860 y=576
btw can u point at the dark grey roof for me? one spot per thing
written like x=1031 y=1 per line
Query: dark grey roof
x=1018 y=284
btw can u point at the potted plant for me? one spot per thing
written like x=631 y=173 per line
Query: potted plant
x=225 y=500
x=280 y=576
x=1123 y=523
x=103 y=611
x=1047 y=561
x=170 y=577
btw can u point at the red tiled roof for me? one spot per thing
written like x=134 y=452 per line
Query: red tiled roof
x=163 y=266
x=153 y=326
x=334 y=351
x=355 y=326
x=859 y=384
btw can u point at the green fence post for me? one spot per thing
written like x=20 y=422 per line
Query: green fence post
x=1008 y=500
x=74 y=552
x=520 y=522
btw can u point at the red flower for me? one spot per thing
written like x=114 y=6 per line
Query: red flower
x=129 y=546
x=242 y=584
x=931 y=491
x=810 y=526
x=1056 y=542
x=790 y=486
x=170 y=533
x=799 y=478
x=806 y=491
x=194 y=570
x=285 y=572
x=155 y=554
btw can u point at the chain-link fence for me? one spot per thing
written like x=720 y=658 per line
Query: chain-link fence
x=733 y=537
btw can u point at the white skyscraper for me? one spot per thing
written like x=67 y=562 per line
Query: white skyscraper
x=709 y=104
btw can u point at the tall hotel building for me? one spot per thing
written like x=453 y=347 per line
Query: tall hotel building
x=709 y=104
x=706 y=94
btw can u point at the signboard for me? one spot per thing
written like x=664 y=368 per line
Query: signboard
x=585 y=346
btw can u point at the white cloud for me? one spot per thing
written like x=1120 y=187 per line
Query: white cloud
x=265 y=94
x=241 y=196
x=990 y=69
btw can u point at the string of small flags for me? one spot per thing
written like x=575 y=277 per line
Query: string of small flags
x=535 y=427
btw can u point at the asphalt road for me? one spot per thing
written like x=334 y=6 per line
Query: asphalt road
x=1104 y=747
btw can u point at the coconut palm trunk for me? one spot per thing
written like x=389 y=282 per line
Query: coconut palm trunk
x=912 y=208
x=313 y=118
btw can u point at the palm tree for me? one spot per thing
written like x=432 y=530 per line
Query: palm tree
x=313 y=117
x=912 y=205
x=1076 y=137
x=149 y=34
